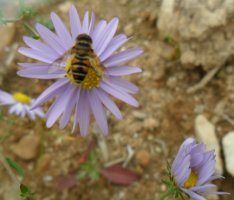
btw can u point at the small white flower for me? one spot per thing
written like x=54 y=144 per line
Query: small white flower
x=20 y=105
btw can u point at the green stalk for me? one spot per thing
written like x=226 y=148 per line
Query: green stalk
x=166 y=194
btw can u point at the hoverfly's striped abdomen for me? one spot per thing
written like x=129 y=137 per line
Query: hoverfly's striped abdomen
x=85 y=69
x=83 y=51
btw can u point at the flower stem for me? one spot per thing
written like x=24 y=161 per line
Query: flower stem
x=169 y=192
x=8 y=169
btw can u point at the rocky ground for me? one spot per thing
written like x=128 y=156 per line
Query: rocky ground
x=170 y=110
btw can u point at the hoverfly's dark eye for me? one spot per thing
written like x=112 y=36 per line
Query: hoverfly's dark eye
x=85 y=37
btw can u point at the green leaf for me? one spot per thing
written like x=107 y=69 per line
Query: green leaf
x=31 y=31
x=24 y=189
x=16 y=167
x=25 y=11
x=26 y=194
x=1 y=114
x=90 y=167
x=47 y=22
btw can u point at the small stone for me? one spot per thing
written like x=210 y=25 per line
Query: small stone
x=228 y=149
x=158 y=149
x=64 y=7
x=160 y=73
x=188 y=58
x=47 y=179
x=44 y=162
x=146 y=74
x=123 y=2
x=7 y=33
x=11 y=192
x=172 y=82
x=163 y=188
x=143 y=157
x=128 y=29
x=27 y=147
x=205 y=132
x=139 y=115
x=151 y=123
x=212 y=196
x=153 y=16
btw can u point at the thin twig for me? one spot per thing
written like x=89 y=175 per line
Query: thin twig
x=130 y=155
x=204 y=81
x=101 y=144
x=11 y=55
x=114 y=162
x=228 y=119
x=8 y=169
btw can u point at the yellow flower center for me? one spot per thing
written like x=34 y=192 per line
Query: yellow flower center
x=86 y=77
x=192 y=180
x=22 y=98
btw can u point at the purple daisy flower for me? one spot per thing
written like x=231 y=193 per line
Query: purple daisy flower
x=193 y=169
x=74 y=93
x=20 y=105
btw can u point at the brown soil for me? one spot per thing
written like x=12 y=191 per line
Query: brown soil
x=164 y=118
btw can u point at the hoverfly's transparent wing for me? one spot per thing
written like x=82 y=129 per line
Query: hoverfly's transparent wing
x=96 y=65
x=54 y=67
x=59 y=64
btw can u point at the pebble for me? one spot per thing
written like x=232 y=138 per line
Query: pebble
x=123 y=2
x=161 y=72
x=7 y=33
x=153 y=16
x=64 y=7
x=163 y=188
x=139 y=115
x=212 y=196
x=44 y=162
x=143 y=157
x=11 y=192
x=228 y=149
x=172 y=82
x=128 y=29
x=27 y=148
x=205 y=132
x=151 y=123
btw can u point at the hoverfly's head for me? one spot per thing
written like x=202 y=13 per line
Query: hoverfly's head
x=85 y=38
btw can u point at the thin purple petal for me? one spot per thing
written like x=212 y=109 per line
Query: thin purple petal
x=31 y=65
x=74 y=22
x=108 y=102
x=62 y=31
x=75 y=122
x=97 y=33
x=40 y=73
x=37 y=45
x=114 y=44
x=35 y=54
x=122 y=57
x=122 y=70
x=70 y=105
x=125 y=97
x=85 y=24
x=92 y=21
x=50 y=92
x=123 y=85
x=107 y=36
x=98 y=111
x=83 y=112
x=50 y=38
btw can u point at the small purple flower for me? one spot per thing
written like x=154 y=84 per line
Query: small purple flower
x=90 y=96
x=20 y=105
x=193 y=169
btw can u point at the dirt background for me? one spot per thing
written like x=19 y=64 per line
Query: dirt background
x=154 y=130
